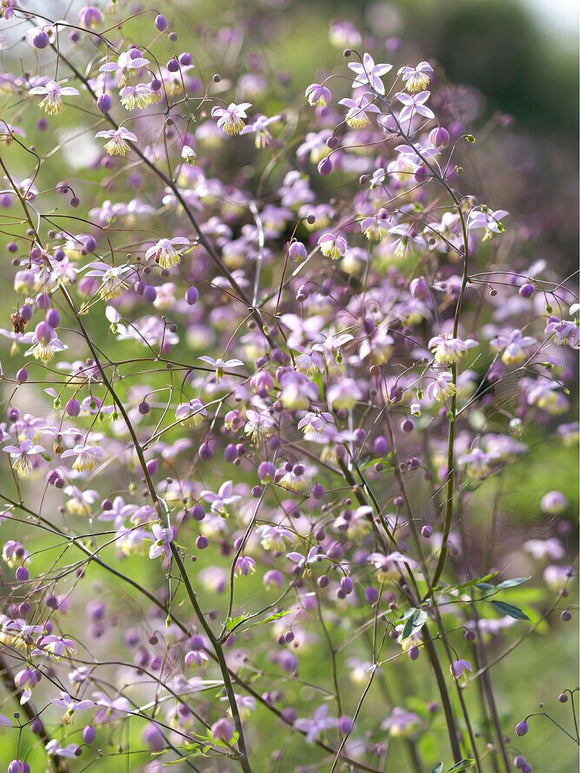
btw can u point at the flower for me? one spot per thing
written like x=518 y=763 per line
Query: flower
x=554 y=503
x=441 y=387
x=448 y=350
x=370 y=73
x=318 y=95
x=318 y=724
x=138 y=96
x=221 y=500
x=45 y=343
x=222 y=730
x=86 y=457
x=231 y=118
x=53 y=93
x=332 y=246
x=259 y=127
x=401 y=723
x=416 y=78
x=460 y=668
x=118 y=139
x=113 y=278
x=414 y=104
x=20 y=455
x=167 y=252
x=244 y=566
x=356 y=116
x=125 y=64
x=55 y=749
x=162 y=544
x=521 y=728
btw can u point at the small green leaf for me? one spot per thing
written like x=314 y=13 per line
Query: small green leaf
x=231 y=622
x=512 y=583
x=415 y=622
x=274 y=616
x=470 y=138
x=462 y=765
x=508 y=609
x=485 y=586
x=438 y=768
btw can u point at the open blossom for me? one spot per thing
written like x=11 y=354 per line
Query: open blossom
x=416 y=78
x=86 y=457
x=448 y=350
x=487 y=220
x=414 y=105
x=21 y=455
x=53 y=94
x=45 y=343
x=401 y=723
x=318 y=724
x=318 y=95
x=231 y=118
x=369 y=73
x=167 y=252
x=113 y=278
x=332 y=246
x=259 y=128
x=514 y=346
x=55 y=749
x=441 y=388
x=162 y=544
x=460 y=668
x=126 y=64
x=118 y=140
x=139 y=96
x=356 y=116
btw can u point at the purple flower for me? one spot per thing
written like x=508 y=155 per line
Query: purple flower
x=259 y=127
x=318 y=95
x=460 y=668
x=416 y=78
x=222 y=730
x=118 y=140
x=55 y=749
x=167 y=252
x=53 y=94
x=554 y=503
x=369 y=73
x=318 y=724
x=356 y=116
x=231 y=118
x=414 y=104
x=21 y=455
x=163 y=540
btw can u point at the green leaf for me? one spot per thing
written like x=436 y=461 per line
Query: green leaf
x=438 y=768
x=462 y=765
x=415 y=622
x=274 y=616
x=231 y=622
x=485 y=586
x=512 y=583
x=508 y=609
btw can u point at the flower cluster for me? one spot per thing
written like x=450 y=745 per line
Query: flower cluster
x=306 y=373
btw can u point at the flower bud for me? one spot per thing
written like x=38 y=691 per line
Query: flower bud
x=104 y=103
x=161 y=22
x=521 y=728
x=40 y=39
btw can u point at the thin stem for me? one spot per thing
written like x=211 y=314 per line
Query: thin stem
x=444 y=693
